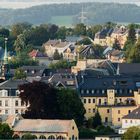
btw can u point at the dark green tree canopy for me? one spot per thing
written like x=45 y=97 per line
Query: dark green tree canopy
x=5 y=131
x=97 y=121
x=133 y=133
x=47 y=102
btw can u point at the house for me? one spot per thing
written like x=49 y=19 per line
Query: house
x=39 y=56
x=70 y=53
x=10 y=103
x=113 y=96
x=64 y=80
x=96 y=64
x=115 y=56
x=108 y=137
x=121 y=34
x=52 y=45
x=130 y=120
x=43 y=129
x=101 y=37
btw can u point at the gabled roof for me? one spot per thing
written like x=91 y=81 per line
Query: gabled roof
x=37 y=53
x=135 y=114
x=12 y=84
x=38 y=125
x=66 y=80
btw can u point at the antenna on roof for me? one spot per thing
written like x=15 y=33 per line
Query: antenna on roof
x=82 y=15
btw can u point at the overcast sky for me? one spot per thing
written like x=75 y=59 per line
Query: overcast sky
x=28 y=3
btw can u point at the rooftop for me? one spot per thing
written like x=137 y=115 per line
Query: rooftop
x=135 y=114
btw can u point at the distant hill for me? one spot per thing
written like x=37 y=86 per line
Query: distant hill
x=95 y=13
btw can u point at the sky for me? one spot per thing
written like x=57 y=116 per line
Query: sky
x=28 y=3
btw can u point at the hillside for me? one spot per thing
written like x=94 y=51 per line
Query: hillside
x=95 y=13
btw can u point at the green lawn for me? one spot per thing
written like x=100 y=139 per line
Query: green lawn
x=62 y=20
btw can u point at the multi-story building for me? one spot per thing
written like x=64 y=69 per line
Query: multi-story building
x=52 y=45
x=10 y=103
x=113 y=96
x=130 y=120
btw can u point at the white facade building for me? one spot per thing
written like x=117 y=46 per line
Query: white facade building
x=130 y=120
x=10 y=103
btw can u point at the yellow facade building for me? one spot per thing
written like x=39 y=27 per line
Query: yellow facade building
x=112 y=103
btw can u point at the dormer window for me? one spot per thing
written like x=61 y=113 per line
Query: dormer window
x=103 y=91
x=92 y=91
x=87 y=91
x=82 y=91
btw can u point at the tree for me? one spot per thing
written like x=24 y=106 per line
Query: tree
x=70 y=106
x=4 y=32
x=85 y=41
x=134 y=53
x=46 y=102
x=97 y=121
x=18 y=28
x=105 y=130
x=41 y=99
x=116 y=45
x=80 y=29
x=56 y=55
x=131 y=34
x=5 y=131
x=19 y=74
x=132 y=133
x=62 y=64
x=61 y=33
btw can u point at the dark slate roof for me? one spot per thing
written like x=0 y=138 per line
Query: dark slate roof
x=38 y=70
x=65 y=79
x=103 y=33
x=135 y=114
x=122 y=84
x=127 y=68
x=12 y=84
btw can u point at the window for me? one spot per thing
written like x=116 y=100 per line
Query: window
x=89 y=101
x=85 y=101
x=6 y=111
x=16 y=103
x=119 y=111
x=129 y=111
x=0 y=103
x=99 y=101
x=92 y=91
x=73 y=128
x=93 y=100
x=87 y=91
x=103 y=91
x=16 y=111
x=106 y=119
x=125 y=121
x=82 y=91
x=6 y=103
x=89 y=110
x=119 y=119
x=93 y=110
x=130 y=121
x=108 y=111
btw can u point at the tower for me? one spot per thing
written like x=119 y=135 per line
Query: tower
x=5 y=66
x=82 y=16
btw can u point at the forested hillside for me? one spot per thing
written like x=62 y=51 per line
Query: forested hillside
x=95 y=13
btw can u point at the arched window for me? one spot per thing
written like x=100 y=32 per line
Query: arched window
x=42 y=137
x=51 y=137
x=60 y=138
x=16 y=136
